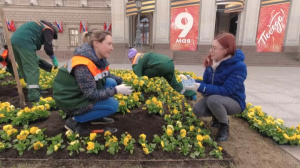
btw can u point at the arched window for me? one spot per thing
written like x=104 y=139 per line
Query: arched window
x=145 y=29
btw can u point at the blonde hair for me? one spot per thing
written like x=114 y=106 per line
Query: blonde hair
x=99 y=35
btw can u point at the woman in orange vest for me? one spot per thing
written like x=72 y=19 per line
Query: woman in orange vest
x=84 y=88
x=5 y=61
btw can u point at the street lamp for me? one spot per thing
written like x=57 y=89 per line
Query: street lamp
x=138 y=37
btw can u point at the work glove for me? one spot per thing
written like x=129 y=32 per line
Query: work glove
x=182 y=76
x=190 y=84
x=54 y=61
x=194 y=87
x=123 y=89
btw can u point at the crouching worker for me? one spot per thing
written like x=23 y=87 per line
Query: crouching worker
x=5 y=61
x=157 y=65
x=222 y=85
x=84 y=87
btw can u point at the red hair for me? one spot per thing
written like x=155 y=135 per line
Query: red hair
x=227 y=40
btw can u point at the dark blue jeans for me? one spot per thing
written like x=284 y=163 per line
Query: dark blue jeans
x=102 y=108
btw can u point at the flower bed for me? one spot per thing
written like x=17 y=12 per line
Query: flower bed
x=176 y=130
x=270 y=126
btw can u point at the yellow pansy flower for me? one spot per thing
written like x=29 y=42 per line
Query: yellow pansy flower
x=33 y=130
x=146 y=150
x=199 y=137
x=182 y=133
x=169 y=132
x=37 y=145
x=143 y=136
x=192 y=128
x=91 y=146
x=92 y=136
x=122 y=103
x=162 y=144
x=200 y=144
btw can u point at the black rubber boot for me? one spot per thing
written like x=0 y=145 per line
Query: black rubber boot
x=75 y=126
x=223 y=132
x=214 y=122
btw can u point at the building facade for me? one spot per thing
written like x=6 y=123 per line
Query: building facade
x=67 y=13
x=157 y=26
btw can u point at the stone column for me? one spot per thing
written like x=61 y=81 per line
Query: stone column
x=293 y=28
x=250 y=22
x=207 y=22
x=119 y=22
x=161 y=26
x=120 y=31
x=240 y=28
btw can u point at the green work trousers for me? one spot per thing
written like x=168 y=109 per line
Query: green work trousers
x=29 y=68
x=10 y=70
x=167 y=71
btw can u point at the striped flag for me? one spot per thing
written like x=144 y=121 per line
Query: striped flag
x=58 y=26
x=8 y=25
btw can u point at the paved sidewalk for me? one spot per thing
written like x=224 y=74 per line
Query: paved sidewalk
x=276 y=89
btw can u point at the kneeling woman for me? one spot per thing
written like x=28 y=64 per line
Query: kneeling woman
x=84 y=87
x=223 y=84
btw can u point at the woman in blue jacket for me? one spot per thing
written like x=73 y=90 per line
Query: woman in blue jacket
x=222 y=85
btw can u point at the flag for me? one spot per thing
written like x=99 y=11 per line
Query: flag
x=86 y=26
x=80 y=27
x=109 y=29
x=83 y=27
x=12 y=26
x=8 y=25
x=62 y=27
x=59 y=29
x=104 y=26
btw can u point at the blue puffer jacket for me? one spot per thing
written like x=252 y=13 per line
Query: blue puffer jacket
x=227 y=80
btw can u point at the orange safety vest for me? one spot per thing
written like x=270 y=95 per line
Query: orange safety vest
x=45 y=26
x=137 y=57
x=80 y=60
x=4 y=55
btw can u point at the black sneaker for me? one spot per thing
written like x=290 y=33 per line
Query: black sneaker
x=75 y=126
x=103 y=120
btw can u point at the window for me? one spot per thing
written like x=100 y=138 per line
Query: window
x=73 y=37
x=2 y=38
x=144 y=25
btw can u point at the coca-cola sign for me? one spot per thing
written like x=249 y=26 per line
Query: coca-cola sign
x=271 y=27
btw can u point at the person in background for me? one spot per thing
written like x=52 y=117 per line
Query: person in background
x=222 y=85
x=84 y=87
x=26 y=40
x=157 y=65
x=5 y=61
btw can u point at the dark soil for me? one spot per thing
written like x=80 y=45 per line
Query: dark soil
x=135 y=123
x=9 y=93
x=248 y=148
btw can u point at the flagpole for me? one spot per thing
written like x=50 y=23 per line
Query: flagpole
x=13 y=61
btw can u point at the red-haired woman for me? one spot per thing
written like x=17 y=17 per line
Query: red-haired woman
x=222 y=85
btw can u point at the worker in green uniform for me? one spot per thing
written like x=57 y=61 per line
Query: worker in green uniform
x=157 y=65
x=29 y=38
x=6 y=62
